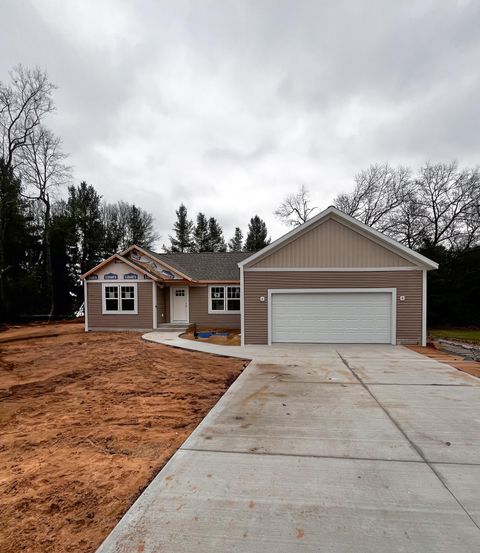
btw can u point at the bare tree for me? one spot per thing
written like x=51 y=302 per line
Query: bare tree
x=379 y=190
x=24 y=103
x=449 y=198
x=439 y=205
x=44 y=170
x=295 y=208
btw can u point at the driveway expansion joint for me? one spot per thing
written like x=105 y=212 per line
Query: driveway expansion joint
x=412 y=444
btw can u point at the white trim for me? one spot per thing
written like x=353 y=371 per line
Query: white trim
x=242 y=308
x=424 y=309
x=154 y=304
x=85 y=303
x=223 y=311
x=392 y=291
x=421 y=259
x=330 y=269
x=121 y=280
x=123 y=260
x=187 y=297
x=119 y=285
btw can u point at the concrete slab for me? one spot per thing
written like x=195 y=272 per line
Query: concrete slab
x=337 y=420
x=464 y=482
x=301 y=370
x=218 y=502
x=406 y=371
x=298 y=456
x=442 y=420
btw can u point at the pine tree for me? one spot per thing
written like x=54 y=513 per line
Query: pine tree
x=201 y=235
x=216 y=240
x=236 y=243
x=183 y=228
x=15 y=239
x=84 y=209
x=257 y=237
x=140 y=226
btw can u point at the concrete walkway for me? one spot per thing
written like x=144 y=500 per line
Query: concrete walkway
x=319 y=448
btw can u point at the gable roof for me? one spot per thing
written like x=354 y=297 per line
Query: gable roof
x=387 y=242
x=123 y=260
x=205 y=265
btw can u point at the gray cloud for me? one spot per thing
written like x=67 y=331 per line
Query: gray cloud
x=227 y=106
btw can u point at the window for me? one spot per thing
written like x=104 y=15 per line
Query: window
x=111 y=298
x=128 y=298
x=119 y=298
x=180 y=293
x=224 y=299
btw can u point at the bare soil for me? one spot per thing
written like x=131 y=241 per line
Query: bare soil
x=457 y=361
x=86 y=422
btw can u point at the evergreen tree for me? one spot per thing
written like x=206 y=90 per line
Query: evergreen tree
x=236 y=243
x=183 y=228
x=216 y=240
x=257 y=237
x=84 y=210
x=201 y=235
x=16 y=239
x=141 y=231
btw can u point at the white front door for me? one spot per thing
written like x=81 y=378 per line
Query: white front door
x=179 y=305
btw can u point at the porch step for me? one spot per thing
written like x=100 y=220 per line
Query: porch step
x=172 y=327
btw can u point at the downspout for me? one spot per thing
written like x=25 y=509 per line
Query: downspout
x=85 y=303
x=424 y=308
x=154 y=305
x=242 y=308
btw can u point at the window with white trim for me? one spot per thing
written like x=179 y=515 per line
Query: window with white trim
x=224 y=299
x=120 y=298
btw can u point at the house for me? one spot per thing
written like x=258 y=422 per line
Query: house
x=331 y=280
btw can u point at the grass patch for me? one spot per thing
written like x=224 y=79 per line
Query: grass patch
x=470 y=335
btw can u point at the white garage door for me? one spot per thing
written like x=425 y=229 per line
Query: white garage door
x=347 y=317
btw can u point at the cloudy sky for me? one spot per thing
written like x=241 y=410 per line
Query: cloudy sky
x=229 y=105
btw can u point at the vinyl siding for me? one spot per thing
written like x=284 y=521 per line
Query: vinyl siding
x=331 y=244
x=163 y=316
x=408 y=284
x=98 y=321
x=199 y=311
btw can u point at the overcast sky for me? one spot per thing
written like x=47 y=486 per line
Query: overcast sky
x=229 y=105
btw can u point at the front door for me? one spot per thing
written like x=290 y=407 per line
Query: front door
x=180 y=305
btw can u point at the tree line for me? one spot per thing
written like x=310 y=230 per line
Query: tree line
x=206 y=235
x=47 y=242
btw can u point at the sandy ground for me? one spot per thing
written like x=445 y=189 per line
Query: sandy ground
x=457 y=361
x=86 y=421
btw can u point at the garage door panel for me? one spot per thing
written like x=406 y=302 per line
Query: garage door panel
x=353 y=317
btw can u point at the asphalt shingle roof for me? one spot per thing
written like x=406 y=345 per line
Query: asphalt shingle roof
x=206 y=265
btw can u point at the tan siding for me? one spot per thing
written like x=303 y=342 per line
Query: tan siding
x=162 y=314
x=408 y=284
x=332 y=244
x=199 y=311
x=167 y=304
x=143 y=320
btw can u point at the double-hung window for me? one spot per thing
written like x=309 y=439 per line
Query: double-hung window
x=224 y=299
x=119 y=298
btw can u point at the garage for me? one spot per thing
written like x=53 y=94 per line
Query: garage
x=332 y=316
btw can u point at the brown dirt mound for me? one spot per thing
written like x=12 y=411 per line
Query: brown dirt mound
x=86 y=421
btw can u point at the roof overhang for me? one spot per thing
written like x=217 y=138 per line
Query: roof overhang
x=156 y=260
x=123 y=260
x=417 y=258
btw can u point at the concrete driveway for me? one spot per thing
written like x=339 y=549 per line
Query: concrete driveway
x=322 y=449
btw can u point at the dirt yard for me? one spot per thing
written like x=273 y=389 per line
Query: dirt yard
x=86 y=421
